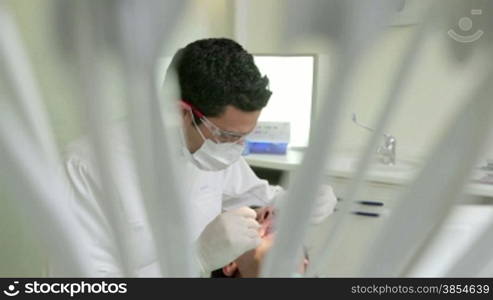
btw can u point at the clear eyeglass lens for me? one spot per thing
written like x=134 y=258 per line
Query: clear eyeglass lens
x=220 y=135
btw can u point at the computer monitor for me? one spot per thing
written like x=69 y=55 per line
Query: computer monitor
x=292 y=82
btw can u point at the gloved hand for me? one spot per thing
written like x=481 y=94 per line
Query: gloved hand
x=324 y=204
x=228 y=236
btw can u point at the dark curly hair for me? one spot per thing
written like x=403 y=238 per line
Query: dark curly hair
x=216 y=72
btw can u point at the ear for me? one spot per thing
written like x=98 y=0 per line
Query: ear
x=230 y=269
x=185 y=116
x=183 y=111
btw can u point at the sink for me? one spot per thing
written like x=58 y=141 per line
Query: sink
x=350 y=163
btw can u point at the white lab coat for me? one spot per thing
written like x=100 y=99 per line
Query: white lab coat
x=211 y=193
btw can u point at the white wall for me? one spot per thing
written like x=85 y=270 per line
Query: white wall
x=202 y=19
x=438 y=88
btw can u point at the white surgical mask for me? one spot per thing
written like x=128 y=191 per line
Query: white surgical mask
x=213 y=156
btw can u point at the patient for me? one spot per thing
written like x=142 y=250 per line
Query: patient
x=248 y=264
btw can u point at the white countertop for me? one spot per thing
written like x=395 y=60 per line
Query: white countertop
x=344 y=166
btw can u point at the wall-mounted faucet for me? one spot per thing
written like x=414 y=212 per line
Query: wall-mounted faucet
x=387 y=151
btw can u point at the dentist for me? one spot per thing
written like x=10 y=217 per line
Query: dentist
x=222 y=94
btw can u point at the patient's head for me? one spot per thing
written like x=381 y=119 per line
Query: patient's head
x=248 y=264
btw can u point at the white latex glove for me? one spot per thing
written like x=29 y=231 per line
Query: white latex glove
x=325 y=203
x=228 y=236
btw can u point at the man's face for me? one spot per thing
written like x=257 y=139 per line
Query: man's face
x=232 y=120
x=248 y=264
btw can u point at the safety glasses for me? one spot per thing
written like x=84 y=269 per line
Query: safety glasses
x=219 y=135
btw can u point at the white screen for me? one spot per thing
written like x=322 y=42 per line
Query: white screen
x=291 y=83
